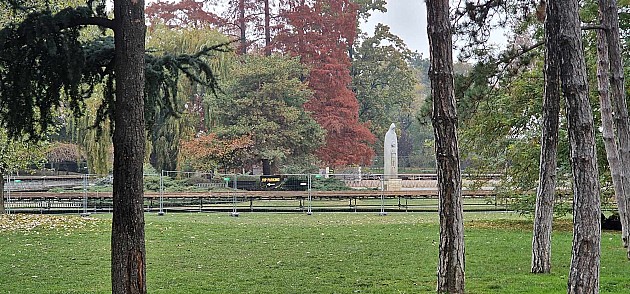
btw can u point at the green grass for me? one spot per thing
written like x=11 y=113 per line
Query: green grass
x=293 y=253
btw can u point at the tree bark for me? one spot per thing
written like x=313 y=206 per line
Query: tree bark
x=128 y=250
x=266 y=163
x=612 y=150
x=241 y=24
x=585 y=260
x=608 y=14
x=444 y=118
x=545 y=195
x=267 y=29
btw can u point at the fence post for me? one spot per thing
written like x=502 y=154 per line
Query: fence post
x=85 y=184
x=161 y=212
x=382 y=213
x=234 y=212
x=8 y=187
x=310 y=196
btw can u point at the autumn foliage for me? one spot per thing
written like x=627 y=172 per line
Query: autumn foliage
x=207 y=152
x=188 y=13
x=321 y=33
x=64 y=152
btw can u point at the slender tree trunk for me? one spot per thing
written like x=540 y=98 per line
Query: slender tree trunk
x=608 y=13
x=585 y=260
x=2 y=209
x=541 y=241
x=444 y=118
x=128 y=250
x=267 y=29
x=241 y=24
x=266 y=163
x=612 y=152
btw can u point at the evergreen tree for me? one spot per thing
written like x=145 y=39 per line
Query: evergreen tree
x=263 y=100
x=42 y=57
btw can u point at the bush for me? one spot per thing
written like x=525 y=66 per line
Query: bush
x=329 y=184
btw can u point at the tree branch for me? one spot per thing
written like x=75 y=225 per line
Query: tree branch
x=97 y=21
x=593 y=27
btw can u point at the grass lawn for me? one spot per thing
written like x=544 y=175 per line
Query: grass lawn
x=290 y=253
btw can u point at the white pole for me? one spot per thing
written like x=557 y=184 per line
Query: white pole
x=85 y=183
x=310 y=197
x=383 y=197
x=234 y=212
x=161 y=212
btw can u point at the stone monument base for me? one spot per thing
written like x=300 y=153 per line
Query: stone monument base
x=392 y=185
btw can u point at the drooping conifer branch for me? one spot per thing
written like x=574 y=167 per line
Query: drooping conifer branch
x=44 y=66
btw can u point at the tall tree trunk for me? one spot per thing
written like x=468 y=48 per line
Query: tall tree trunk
x=267 y=29
x=545 y=195
x=242 y=26
x=608 y=13
x=128 y=250
x=444 y=118
x=585 y=260
x=612 y=150
x=2 y=209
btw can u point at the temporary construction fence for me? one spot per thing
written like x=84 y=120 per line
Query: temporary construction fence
x=178 y=191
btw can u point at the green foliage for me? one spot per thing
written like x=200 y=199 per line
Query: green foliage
x=384 y=83
x=169 y=130
x=328 y=184
x=19 y=153
x=95 y=141
x=366 y=7
x=31 y=80
x=500 y=132
x=525 y=204
x=264 y=100
x=43 y=57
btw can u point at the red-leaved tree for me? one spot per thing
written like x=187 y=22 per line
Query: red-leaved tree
x=321 y=33
x=248 y=21
x=184 y=13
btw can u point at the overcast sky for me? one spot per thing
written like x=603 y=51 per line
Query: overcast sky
x=408 y=20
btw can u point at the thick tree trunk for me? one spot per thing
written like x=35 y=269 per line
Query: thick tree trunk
x=612 y=152
x=128 y=250
x=2 y=209
x=541 y=240
x=585 y=261
x=444 y=118
x=608 y=13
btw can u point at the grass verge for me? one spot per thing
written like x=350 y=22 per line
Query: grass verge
x=290 y=253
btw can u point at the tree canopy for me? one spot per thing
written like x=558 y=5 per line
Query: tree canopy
x=264 y=100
